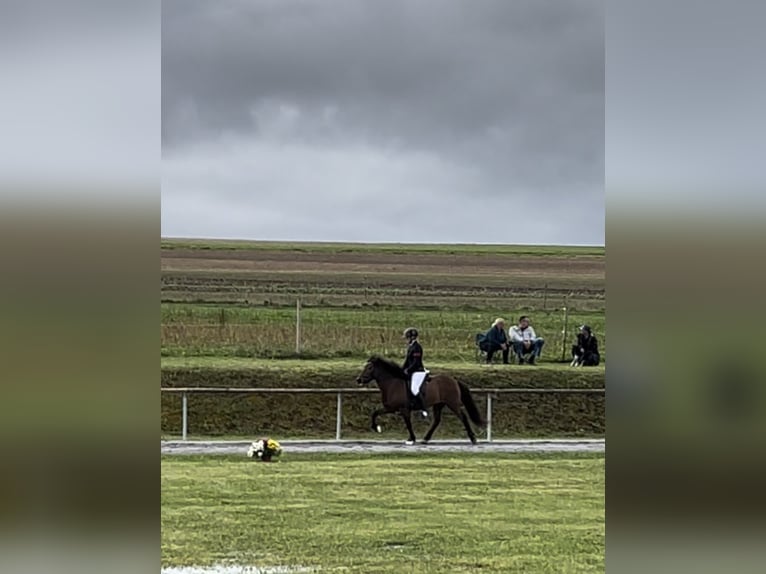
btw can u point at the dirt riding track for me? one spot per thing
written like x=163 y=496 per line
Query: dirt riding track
x=388 y=447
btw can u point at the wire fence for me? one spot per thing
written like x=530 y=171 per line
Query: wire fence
x=337 y=333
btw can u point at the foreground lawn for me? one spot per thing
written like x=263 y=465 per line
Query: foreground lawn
x=432 y=513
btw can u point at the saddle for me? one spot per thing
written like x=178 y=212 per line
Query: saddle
x=426 y=377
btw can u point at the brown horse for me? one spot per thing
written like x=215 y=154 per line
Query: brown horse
x=437 y=392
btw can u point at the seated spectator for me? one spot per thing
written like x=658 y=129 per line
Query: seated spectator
x=585 y=351
x=525 y=341
x=496 y=340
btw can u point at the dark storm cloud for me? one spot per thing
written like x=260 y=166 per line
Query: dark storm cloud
x=454 y=102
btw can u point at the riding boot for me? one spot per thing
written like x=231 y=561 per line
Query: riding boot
x=420 y=405
x=412 y=402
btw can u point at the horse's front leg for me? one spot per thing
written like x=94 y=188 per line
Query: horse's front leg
x=374 y=426
x=407 y=421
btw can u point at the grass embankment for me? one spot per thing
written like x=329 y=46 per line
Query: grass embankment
x=313 y=416
x=520 y=513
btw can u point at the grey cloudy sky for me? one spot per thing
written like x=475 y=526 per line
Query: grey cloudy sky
x=435 y=121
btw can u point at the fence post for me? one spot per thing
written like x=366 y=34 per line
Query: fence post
x=184 y=417
x=338 y=416
x=564 y=331
x=298 y=327
x=489 y=417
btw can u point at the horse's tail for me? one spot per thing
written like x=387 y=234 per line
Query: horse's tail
x=470 y=405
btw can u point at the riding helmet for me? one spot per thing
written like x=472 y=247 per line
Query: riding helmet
x=410 y=333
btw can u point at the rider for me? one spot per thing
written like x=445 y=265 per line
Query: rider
x=413 y=363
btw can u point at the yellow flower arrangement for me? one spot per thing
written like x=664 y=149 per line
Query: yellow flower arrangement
x=274 y=447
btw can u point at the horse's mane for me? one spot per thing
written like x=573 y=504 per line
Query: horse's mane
x=389 y=366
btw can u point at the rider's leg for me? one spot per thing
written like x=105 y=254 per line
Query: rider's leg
x=418 y=403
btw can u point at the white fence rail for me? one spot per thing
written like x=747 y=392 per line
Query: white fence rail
x=339 y=392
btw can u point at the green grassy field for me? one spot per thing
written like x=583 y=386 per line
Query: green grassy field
x=447 y=334
x=478 y=513
x=224 y=298
x=396 y=248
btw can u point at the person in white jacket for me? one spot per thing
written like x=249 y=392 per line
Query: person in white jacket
x=525 y=341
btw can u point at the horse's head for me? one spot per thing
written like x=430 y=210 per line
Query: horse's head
x=367 y=374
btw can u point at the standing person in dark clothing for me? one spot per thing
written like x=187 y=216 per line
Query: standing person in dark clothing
x=585 y=351
x=414 y=369
x=496 y=339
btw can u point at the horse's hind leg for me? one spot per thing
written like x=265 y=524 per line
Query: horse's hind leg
x=467 y=425
x=437 y=419
x=460 y=413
